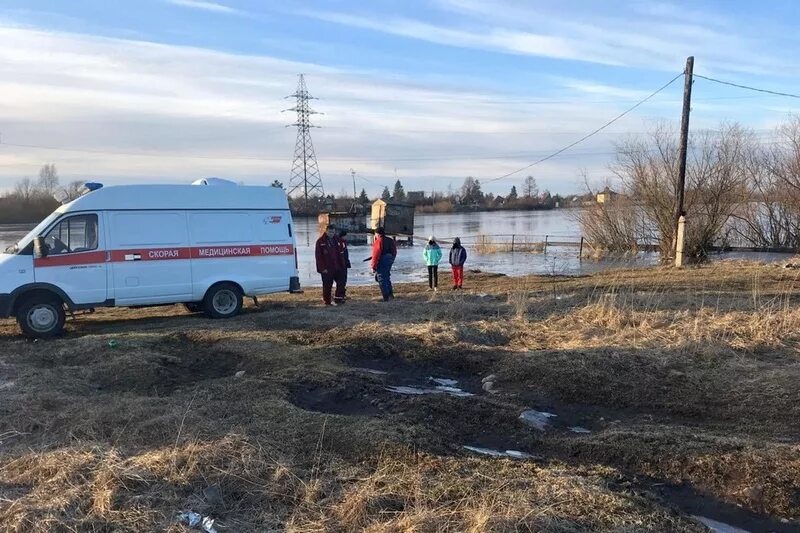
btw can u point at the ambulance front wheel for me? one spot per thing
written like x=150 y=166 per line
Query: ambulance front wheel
x=223 y=300
x=41 y=316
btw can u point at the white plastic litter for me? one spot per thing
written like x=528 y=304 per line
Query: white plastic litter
x=718 y=527
x=197 y=521
x=452 y=391
x=537 y=419
x=578 y=429
x=371 y=371
x=511 y=454
x=444 y=382
x=240 y=374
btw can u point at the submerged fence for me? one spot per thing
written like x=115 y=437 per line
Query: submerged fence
x=536 y=243
x=517 y=242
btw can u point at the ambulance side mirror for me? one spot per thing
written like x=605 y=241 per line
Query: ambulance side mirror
x=39 y=248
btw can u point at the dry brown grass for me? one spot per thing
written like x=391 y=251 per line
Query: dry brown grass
x=683 y=376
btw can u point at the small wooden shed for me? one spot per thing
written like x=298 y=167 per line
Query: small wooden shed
x=355 y=224
x=396 y=218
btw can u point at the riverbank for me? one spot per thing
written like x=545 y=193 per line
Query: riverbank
x=674 y=394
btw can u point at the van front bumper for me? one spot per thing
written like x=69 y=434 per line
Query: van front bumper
x=5 y=305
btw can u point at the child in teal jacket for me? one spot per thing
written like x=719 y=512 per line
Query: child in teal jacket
x=432 y=255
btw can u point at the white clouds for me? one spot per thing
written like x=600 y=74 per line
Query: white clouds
x=204 y=6
x=497 y=39
x=151 y=112
x=165 y=112
x=651 y=36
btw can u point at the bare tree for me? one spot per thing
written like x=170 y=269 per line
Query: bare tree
x=529 y=188
x=48 y=179
x=74 y=190
x=771 y=217
x=24 y=190
x=616 y=226
x=648 y=169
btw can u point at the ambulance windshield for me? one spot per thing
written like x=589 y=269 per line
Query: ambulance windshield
x=23 y=242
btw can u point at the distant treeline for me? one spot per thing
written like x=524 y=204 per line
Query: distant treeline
x=469 y=197
x=32 y=200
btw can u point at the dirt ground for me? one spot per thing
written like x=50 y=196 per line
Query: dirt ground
x=675 y=393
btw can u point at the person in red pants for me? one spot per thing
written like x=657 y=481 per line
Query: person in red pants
x=458 y=256
x=330 y=265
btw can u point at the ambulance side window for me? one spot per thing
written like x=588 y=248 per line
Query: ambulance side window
x=73 y=234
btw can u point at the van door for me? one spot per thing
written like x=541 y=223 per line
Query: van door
x=76 y=259
x=277 y=262
x=151 y=257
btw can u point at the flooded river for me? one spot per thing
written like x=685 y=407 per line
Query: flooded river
x=557 y=225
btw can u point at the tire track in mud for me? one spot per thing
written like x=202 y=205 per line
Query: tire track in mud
x=490 y=425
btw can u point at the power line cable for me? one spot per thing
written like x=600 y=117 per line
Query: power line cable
x=591 y=134
x=776 y=93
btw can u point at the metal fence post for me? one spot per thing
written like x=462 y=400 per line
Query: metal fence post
x=580 y=252
x=545 y=244
x=512 y=242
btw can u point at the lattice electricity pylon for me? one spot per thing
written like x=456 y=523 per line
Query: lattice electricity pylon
x=305 y=177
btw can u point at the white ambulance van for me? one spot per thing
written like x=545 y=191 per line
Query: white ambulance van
x=143 y=245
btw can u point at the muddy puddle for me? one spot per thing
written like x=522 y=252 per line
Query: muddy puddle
x=460 y=416
x=351 y=401
x=717 y=515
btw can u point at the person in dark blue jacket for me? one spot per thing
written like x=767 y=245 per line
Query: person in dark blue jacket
x=458 y=256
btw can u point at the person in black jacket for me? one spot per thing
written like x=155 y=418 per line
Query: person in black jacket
x=347 y=265
x=458 y=256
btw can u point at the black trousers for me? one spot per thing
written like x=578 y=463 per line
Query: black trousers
x=340 y=278
x=433 y=276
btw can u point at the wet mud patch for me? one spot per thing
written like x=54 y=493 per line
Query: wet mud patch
x=415 y=365
x=175 y=362
x=350 y=399
x=716 y=514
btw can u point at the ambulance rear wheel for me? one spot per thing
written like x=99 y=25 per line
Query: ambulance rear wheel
x=223 y=300
x=41 y=316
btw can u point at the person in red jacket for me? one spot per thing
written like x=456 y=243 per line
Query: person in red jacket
x=384 y=251
x=330 y=265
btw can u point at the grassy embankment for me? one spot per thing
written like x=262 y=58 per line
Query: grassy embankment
x=682 y=378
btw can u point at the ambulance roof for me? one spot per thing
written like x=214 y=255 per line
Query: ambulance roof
x=144 y=197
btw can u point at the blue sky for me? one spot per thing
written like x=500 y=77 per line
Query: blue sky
x=431 y=91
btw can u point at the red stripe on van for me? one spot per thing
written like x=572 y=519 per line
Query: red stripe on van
x=166 y=254
x=78 y=258
x=214 y=252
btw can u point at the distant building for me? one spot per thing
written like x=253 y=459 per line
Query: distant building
x=606 y=196
x=415 y=196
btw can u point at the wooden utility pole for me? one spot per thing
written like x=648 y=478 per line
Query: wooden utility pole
x=684 y=141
